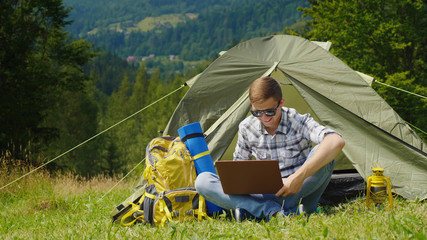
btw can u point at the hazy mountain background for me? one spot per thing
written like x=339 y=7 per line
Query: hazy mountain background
x=191 y=30
x=172 y=36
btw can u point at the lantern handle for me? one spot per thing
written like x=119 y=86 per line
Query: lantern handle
x=368 y=192
x=390 y=197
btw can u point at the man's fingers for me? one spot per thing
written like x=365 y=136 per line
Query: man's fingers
x=282 y=191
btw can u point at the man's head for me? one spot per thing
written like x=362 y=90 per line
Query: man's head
x=266 y=99
x=264 y=88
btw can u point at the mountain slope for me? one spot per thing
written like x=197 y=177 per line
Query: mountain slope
x=181 y=31
x=91 y=14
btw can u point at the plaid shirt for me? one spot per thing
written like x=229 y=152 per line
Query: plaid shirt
x=291 y=143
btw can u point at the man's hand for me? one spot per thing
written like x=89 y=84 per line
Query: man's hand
x=292 y=185
x=326 y=151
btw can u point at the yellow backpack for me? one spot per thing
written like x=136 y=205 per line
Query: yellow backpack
x=169 y=193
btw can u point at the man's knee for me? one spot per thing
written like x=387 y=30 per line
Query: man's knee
x=326 y=170
x=203 y=182
x=331 y=167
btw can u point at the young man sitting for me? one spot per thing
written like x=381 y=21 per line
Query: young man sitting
x=280 y=133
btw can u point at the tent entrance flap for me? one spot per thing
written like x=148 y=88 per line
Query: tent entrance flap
x=221 y=133
x=293 y=99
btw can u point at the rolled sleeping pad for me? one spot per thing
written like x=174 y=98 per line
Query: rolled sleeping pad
x=192 y=136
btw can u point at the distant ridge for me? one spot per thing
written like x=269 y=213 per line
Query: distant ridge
x=189 y=30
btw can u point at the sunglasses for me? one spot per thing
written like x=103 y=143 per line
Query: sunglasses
x=268 y=112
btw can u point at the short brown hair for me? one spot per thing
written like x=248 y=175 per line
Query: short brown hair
x=264 y=88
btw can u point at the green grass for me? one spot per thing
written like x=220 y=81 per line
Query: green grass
x=42 y=206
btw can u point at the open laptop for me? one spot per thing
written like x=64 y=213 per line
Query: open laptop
x=249 y=176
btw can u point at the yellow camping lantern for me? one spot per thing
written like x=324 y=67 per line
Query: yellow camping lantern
x=379 y=187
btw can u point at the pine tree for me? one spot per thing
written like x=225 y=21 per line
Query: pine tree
x=119 y=138
x=76 y=118
x=38 y=63
x=138 y=101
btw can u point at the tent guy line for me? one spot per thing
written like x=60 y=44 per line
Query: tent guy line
x=419 y=129
x=125 y=176
x=403 y=90
x=93 y=137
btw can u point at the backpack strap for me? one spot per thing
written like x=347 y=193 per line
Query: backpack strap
x=146 y=172
x=200 y=211
x=164 y=207
x=202 y=154
x=192 y=135
x=129 y=218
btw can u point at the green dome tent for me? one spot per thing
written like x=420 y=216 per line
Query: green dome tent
x=313 y=81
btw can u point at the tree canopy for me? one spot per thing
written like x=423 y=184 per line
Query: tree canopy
x=385 y=39
x=37 y=63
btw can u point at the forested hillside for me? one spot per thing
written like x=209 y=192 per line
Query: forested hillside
x=213 y=26
x=90 y=15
